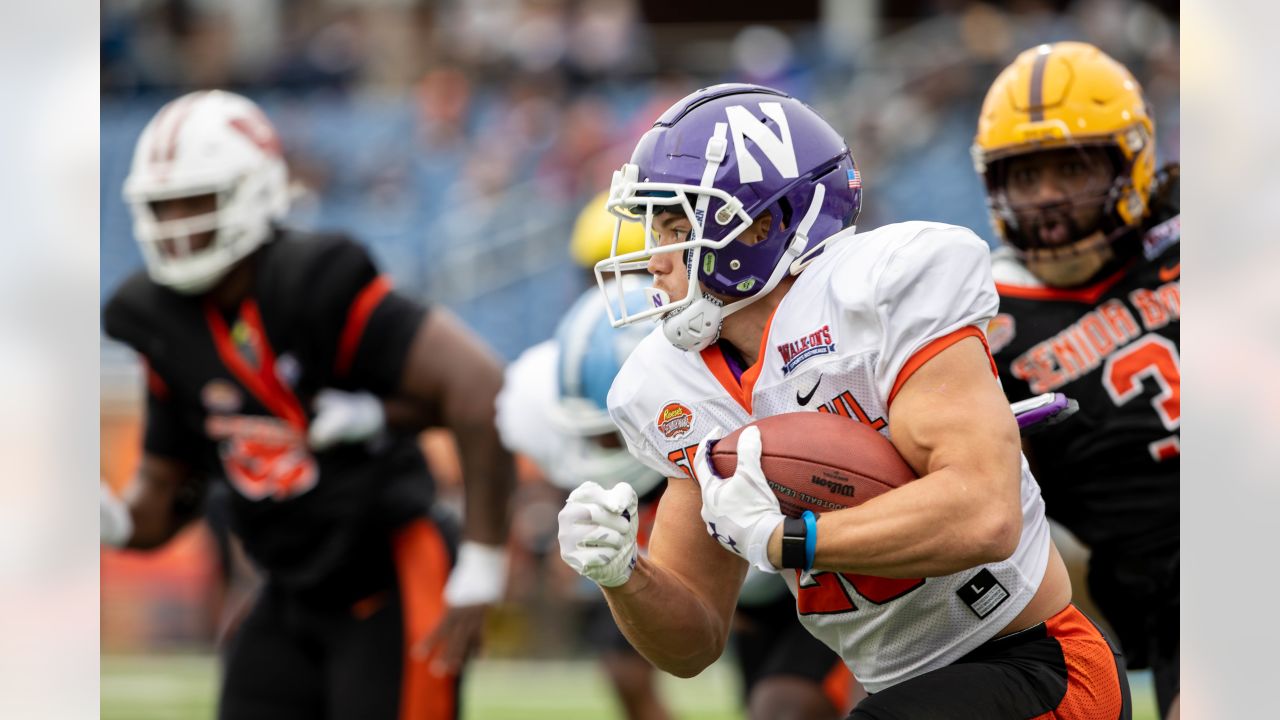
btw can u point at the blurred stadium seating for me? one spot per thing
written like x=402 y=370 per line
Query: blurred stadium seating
x=463 y=178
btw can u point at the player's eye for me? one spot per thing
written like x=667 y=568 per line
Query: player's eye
x=1023 y=178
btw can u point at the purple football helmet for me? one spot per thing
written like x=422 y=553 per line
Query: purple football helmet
x=725 y=155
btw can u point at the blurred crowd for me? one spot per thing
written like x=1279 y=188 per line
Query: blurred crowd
x=460 y=138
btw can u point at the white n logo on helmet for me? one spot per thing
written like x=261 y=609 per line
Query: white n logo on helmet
x=777 y=148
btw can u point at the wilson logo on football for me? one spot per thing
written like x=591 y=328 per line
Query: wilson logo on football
x=675 y=420
x=263 y=457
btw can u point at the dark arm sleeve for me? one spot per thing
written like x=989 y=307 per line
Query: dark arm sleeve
x=365 y=327
x=126 y=318
x=165 y=434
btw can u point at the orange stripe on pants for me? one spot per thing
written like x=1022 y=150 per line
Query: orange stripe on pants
x=422 y=564
x=1093 y=680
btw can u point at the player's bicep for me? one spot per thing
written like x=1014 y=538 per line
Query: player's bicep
x=951 y=415
x=680 y=544
x=449 y=368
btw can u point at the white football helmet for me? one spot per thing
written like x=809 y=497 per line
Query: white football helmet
x=208 y=142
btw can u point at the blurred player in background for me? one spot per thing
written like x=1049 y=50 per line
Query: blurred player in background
x=1090 y=302
x=946 y=596
x=261 y=346
x=553 y=409
x=556 y=428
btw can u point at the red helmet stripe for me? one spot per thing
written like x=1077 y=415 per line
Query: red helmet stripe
x=180 y=117
x=258 y=129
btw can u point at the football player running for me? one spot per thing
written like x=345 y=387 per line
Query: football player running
x=1089 y=286
x=946 y=596
x=264 y=350
x=552 y=409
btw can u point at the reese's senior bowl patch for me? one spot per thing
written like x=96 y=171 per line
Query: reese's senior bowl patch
x=675 y=420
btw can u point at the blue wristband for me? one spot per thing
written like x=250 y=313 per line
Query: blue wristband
x=810 y=538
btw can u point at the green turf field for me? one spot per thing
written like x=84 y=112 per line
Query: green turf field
x=182 y=687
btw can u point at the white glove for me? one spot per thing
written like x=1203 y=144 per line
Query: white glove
x=598 y=532
x=479 y=577
x=343 y=417
x=741 y=511
x=115 y=522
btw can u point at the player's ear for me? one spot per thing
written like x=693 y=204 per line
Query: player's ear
x=759 y=230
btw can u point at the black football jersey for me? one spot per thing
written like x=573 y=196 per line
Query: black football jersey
x=230 y=393
x=1109 y=474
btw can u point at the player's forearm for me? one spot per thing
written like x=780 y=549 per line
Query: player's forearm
x=407 y=415
x=488 y=476
x=666 y=622
x=488 y=470
x=463 y=384
x=937 y=525
x=153 y=521
x=160 y=501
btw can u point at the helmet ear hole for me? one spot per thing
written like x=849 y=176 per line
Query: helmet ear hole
x=785 y=207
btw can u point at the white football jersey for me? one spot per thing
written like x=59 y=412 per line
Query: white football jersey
x=854 y=326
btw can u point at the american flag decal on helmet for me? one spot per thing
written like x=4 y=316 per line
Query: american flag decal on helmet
x=855 y=179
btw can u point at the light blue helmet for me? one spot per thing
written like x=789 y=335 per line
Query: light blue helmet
x=591 y=352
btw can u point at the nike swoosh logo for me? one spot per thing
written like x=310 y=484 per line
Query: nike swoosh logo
x=1169 y=273
x=804 y=399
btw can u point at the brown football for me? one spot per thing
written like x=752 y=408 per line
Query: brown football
x=819 y=461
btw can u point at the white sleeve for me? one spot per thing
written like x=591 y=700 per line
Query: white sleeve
x=621 y=395
x=643 y=451
x=932 y=286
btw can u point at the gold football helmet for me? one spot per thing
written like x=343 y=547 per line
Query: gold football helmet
x=593 y=234
x=1066 y=147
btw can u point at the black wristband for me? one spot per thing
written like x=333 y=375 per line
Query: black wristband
x=794 y=533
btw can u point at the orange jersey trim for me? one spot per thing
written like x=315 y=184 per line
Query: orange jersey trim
x=263 y=383
x=937 y=345
x=357 y=318
x=1088 y=294
x=422 y=566
x=713 y=358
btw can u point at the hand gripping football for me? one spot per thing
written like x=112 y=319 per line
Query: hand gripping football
x=819 y=461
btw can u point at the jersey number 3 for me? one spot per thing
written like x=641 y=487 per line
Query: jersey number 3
x=1156 y=358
